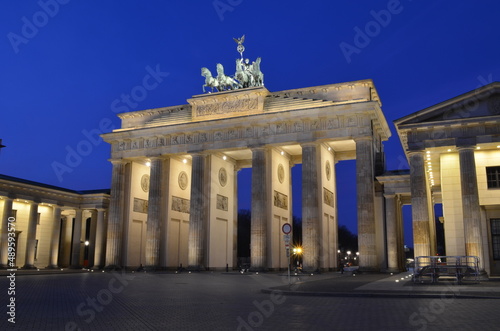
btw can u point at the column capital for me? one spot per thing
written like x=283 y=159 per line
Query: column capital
x=461 y=148
x=258 y=147
x=364 y=138
x=415 y=152
x=116 y=161
x=158 y=157
x=390 y=195
x=310 y=144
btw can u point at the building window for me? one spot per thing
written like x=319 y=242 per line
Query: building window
x=495 y=237
x=493 y=177
x=38 y=218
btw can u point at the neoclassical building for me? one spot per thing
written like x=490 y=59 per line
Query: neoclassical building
x=173 y=193
x=173 y=199
x=52 y=225
x=453 y=149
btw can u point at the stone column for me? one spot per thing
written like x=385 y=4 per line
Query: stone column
x=156 y=197
x=198 y=212
x=54 y=241
x=115 y=218
x=29 y=261
x=77 y=240
x=100 y=240
x=310 y=207
x=258 y=227
x=92 y=238
x=419 y=207
x=366 y=204
x=391 y=232
x=4 y=243
x=470 y=204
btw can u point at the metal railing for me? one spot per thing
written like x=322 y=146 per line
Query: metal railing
x=431 y=268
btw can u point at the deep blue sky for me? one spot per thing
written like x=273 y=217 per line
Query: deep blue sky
x=62 y=77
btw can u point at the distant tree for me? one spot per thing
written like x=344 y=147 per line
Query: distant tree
x=348 y=241
x=441 y=248
x=244 y=221
x=297 y=231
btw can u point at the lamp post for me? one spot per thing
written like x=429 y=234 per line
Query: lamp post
x=349 y=258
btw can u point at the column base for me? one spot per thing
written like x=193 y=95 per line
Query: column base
x=390 y=270
x=112 y=268
x=369 y=269
x=196 y=268
x=29 y=267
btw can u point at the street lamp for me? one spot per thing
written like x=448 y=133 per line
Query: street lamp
x=297 y=251
x=349 y=257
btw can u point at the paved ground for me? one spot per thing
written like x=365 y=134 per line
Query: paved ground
x=218 y=301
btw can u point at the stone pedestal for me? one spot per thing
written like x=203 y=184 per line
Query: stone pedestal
x=419 y=203
x=470 y=204
x=366 y=205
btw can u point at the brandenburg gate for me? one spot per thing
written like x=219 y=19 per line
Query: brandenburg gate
x=174 y=180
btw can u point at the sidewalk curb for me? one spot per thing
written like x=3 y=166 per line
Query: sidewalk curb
x=413 y=295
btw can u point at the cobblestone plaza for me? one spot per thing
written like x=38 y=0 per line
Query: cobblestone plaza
x=218 y=301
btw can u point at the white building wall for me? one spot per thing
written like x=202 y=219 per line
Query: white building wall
x=328 y=211
x=221 y=219
x=452 y=204
x=178 y=218
x=278 y=215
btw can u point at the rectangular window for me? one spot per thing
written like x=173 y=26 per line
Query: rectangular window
x=495 y=237
x=493 y=177
x=38 y=218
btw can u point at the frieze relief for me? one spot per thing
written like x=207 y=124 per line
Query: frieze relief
x=140 y=205
x=280 y=200
x=331 y=123
x=222 y=202
x=226 y=107
x=180 y=205
x=328 y=198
